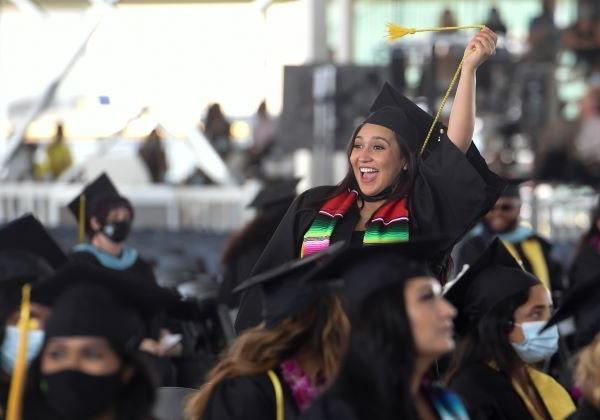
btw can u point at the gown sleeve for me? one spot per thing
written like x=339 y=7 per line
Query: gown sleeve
x=284 y=246
x=240 y=398
x=452 y=190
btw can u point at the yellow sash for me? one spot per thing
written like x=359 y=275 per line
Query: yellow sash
x=535 y=255
x=554 y=396
x=279 y=413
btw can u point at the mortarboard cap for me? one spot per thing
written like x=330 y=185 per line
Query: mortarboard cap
x=579 y=313
x=82 y=205
x=393 y=110
x=28 y=254
x=292 y=287
x=493 y=277
x=367 y=269
x=513 y=187
x=275 y=192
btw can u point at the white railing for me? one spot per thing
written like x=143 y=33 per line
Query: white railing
x=211 y=208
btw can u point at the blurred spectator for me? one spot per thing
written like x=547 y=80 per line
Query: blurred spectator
x=58 y=154
x=263 y=135
x=153 y=154
x=544 y=36
x=587 y=142
x=583 y=38
x=494 y=22
x=447 y=18
x=218 y=130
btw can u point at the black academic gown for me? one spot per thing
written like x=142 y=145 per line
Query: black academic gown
x=585 y=411
x=249 y=397
x=586 y=266
x=488 y=395
x=140 y=268
x=452 y=190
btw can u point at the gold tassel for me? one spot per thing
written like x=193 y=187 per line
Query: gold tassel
x=396 y=31
x=14 y=410
x=81 y=218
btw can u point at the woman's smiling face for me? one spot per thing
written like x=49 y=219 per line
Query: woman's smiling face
x=375 y=158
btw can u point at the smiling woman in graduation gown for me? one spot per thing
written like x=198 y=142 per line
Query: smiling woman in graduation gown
x=391 y=192
x=275 y=370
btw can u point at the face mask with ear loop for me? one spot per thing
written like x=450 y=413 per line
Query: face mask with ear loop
x=537 y=346
x=116 y=231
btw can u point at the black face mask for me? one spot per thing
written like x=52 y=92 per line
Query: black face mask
x=117 y=231
x=77 y=395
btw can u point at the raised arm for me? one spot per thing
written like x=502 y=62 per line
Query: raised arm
x=462 y=117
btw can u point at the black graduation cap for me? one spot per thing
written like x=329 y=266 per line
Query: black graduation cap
x=100 y=187
x=493 y=277
x=579 y=313
x=147 y=297
x=28 y=254
x=367 y=269
x=512 y=189
x=292 y=287
x=275 y=192
x=393 y=110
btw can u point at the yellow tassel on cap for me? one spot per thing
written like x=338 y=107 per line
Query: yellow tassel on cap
x=396 y=31
x=82 y=216
x=14 y=410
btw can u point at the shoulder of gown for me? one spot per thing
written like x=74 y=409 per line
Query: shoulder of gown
x=452 y=190
x=487 y=394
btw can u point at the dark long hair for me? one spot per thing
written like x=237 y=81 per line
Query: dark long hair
x=402 y=184
x=487 y=341
x=134 y=402
x=376 y=372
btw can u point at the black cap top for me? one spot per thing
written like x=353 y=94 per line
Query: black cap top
x=28 y=254
x=91 y=310
x=367 y=269
x=274 y=192
x=27 y=234
x=579 y=313
x=100 y=187
x=292 y=287
x=393 y=110
x=512 y=189
x=493 y=277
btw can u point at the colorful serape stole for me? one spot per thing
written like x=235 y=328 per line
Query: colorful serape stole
x=389 y=224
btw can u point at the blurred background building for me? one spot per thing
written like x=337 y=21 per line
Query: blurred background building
x=190 y=105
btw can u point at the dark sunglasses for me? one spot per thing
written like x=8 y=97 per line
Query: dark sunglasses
x=504 y=207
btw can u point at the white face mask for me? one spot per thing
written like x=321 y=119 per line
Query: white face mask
x=10 y=345
x=537 y=346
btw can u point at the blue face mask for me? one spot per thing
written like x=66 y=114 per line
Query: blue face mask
x=537 y=346
x=10 y=345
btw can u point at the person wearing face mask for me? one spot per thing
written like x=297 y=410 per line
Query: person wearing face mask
x=501 y=312
x=89 y=367
x=27 y=255
x=504 y=221
x=393 y=191
x=400 y=324
x=578 y=318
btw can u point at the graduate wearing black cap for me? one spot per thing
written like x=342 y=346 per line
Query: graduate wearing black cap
x=503 y=221
x=28 y=254
x=400 y=324
x=586 y=261
x=393 y=192
x=89 y=366
x=275 y=370
x=501 y=312
x=579 y=318
x=244 y=247
x=105 y=217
